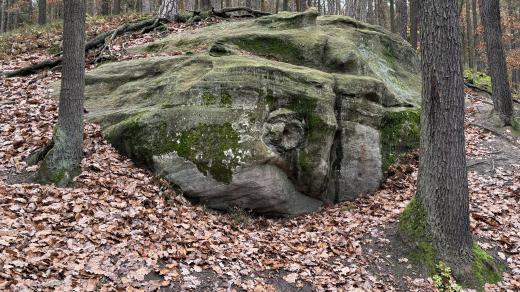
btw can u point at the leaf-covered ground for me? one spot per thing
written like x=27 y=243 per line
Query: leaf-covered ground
x=122 y=228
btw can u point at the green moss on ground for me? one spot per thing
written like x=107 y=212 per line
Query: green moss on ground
x=400 y=133
x=479 y=79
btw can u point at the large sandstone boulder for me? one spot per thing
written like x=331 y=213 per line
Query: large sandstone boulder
x=275 y=115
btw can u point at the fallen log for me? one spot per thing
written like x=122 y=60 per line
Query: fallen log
x=99 y=40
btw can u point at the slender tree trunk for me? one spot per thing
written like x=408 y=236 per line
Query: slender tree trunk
x=117 y=7
x=392 y=16
x=228 y=3
x=285 y=5
x=105 y=7
x=303 y=5
x=2 y=16
x=205 y=5
x=402 y=18
x=469 y=35
x=442 y=184
x=414 y=22
x=476 y=40
x=370 y=12
x=62 y=162
x=42 y=12
x=145 y=6
x=502 y=101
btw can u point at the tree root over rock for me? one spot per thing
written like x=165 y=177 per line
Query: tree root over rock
x=98 y=41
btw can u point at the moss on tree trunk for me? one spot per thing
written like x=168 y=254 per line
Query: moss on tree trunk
x=413 y=229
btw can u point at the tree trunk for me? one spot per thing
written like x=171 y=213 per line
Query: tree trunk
x=402 y=18
x=441 y=206
x=117 y=7
x=370 y=12
x=42 y=12
x=285 y=5
x=105 y=7
x=228 y=3
x=302 y=5
x=145 y=6
x=63 y=162
x=2 y=16
x=392 y=16
x=469 y=35
x=414 y=21
x=476 y=40
x=502 y=101
x=205 y=5
x=167 y=9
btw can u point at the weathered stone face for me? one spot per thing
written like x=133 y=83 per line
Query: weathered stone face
x=275 y=115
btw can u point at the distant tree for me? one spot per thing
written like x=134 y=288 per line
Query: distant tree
x=414 y=22
x=105 y=7
x=469 y=35
x=392 y=16
x=2 y=16
x=62 y=163
x=42 y=12
x=502 y=100
x=402 y=18
x=116 y=9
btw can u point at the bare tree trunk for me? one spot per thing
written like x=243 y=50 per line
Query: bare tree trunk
x=285 y=5
x=392 y=16
x=469 y=35
x=2 y=16
x=228 y=3
x=145 y=6
x=205 y=5
x=63 y=162
x=502 y=101
x=302 y=5
x=402 y=18
x=414 y=21
x=117 y=7
x=476 y=40
x=105 y=7
x=442 y=194
x=42 y=12
x=167 y=9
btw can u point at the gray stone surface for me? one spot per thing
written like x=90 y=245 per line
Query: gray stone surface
x=275 y=115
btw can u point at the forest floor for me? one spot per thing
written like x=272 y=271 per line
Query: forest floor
x=121 y=227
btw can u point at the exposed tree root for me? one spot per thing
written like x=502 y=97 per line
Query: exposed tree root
x=104 y=39
x=96 y=42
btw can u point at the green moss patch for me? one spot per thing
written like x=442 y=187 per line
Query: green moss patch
x=485 y=268
x=478 y=79
x=413 y=227
x=214 y=149
x=224 y=100
x=400 y=133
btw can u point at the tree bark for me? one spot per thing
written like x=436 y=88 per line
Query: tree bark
x=117 y=7
x=476 y=40
x=105 y=7
x=402 y=18
x=392 y=16
x=469 y=35
x=63 y=162
x=2 y=16
x=167 y=9
x=42 y=12
x=442 y=182
x=285 y=5
x=414 y=21
x=502 y=100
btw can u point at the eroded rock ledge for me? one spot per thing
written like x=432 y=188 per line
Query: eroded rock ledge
x=276 y=115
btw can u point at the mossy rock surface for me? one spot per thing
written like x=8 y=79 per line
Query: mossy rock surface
x=275 y=115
